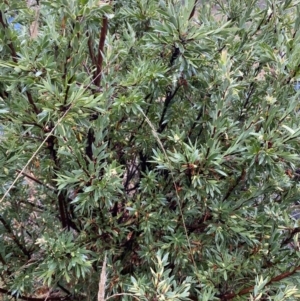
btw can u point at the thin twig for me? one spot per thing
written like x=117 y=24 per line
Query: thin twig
x=170 y=96
x=122 y=294
x=32 y=178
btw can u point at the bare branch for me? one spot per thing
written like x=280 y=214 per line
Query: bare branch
x=100 y=51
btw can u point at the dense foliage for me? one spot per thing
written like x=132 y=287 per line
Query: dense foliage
x=162 y=142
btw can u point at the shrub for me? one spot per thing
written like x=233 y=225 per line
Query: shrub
x=155 y=140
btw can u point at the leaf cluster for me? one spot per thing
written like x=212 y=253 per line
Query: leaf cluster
x=168 y=136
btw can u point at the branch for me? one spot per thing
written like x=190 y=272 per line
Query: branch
x=241 y=178
x=175 y=55
x=251 y=91
x=32 y=178
x=34 y=207
x=62 y=211
x=30 y=99
x=195 y=123
x=14 y=237
x=290 y=237
x=61 y=199
x=98 y=76
x=89 y=145
x=168 y=99
x=193 y=10
x=91 y=49
x=68 y=85
x=247 y=290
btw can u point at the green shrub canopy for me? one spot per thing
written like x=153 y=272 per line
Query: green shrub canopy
x=155 y=141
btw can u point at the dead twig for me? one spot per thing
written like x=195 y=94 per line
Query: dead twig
x=98 y=74
x=102 y=282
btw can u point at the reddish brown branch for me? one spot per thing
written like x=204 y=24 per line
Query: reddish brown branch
x=290 y=237
x=100 y=51
x=32 y=178
x=247 y=290
x=30 y=99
